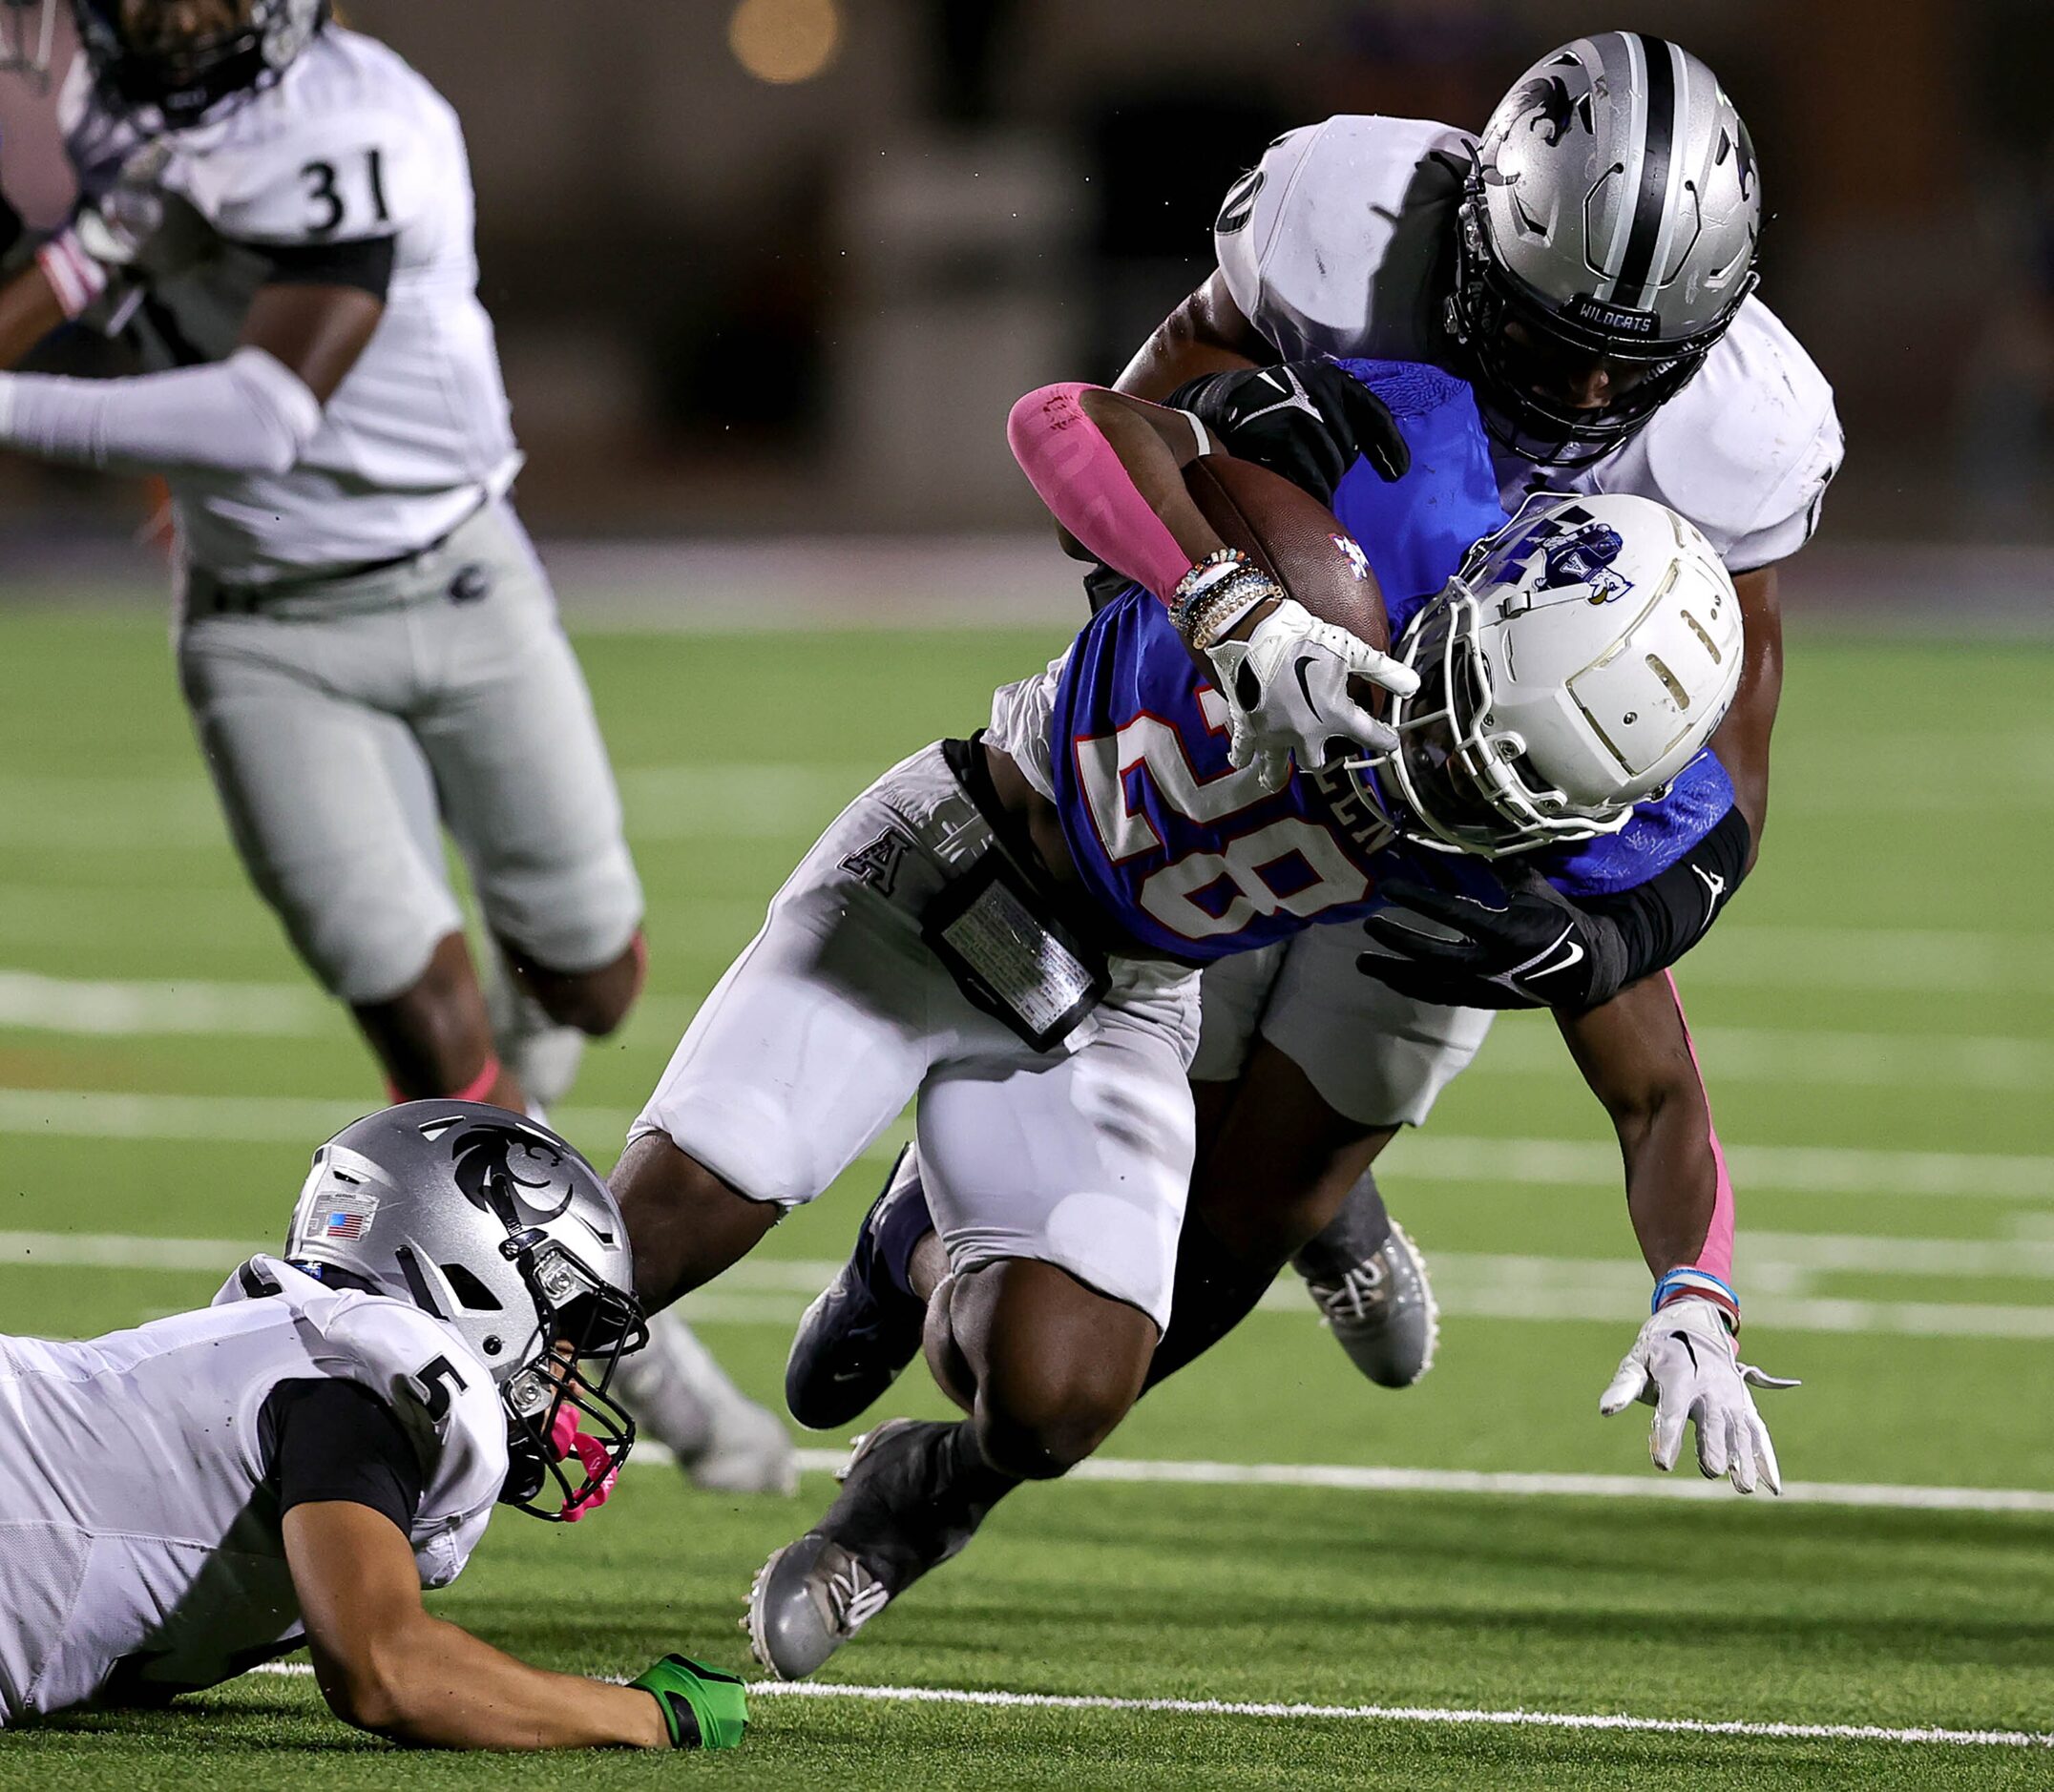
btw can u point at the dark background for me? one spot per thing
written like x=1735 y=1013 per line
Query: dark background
x=736 y=305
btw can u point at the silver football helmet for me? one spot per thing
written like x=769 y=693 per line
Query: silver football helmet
x=1610 y=219
x=180 y=68
x=28 y=38
x=1585 y=654
x=502 y=1231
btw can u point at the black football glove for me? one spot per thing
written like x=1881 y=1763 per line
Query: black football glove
x=1535 y=949
x=1307 y=420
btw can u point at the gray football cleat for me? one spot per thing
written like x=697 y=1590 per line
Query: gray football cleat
x=892 y=1522
x=1376 y=1301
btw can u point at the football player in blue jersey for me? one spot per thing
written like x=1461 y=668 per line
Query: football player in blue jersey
x=1006 y=930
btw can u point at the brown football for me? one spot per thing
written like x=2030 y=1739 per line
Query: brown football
x=1295 y=538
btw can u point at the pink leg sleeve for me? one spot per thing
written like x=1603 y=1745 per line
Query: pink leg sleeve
x=1079 y=477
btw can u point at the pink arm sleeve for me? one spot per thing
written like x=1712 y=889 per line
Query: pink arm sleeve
x=1710 y=1275
x=1088 y=490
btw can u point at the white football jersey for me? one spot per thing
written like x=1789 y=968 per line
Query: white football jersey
x=350 y=144
x=1340 y=242
x=140 y=1544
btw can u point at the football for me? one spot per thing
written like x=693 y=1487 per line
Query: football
x=1295 y=538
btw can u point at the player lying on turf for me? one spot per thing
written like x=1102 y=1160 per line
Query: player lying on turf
x=1615 y=346
x=276 y=216
x=295 y=1463
x=1004 y=929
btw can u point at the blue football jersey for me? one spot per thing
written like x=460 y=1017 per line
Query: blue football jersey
x=1195 y=858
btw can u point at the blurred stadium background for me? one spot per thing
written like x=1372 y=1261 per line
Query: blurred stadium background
x=767 y=266
x=767 y=275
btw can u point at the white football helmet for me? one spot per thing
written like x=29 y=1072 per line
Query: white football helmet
x=1579 y=659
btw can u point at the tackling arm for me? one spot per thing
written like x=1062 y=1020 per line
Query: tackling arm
x=1206 y=334
x=385 y=1665
x=1742 y=742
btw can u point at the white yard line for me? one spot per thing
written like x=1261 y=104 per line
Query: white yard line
x=1415 y=1714
x=1424 y=1157
x=1468 y=1285
x=144 y=1008
x=75 y=1004
x=1769 y=1729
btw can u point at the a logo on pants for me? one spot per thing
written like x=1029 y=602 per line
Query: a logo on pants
x=878 y=865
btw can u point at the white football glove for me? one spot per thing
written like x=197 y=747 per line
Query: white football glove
x=1686 y=1365
x=1286 y=687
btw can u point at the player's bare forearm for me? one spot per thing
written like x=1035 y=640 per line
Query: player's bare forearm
x=1205 y=333
x=1742 y=742
x=29 y=311
x=316 y=332
x=385 y=1665
x=1155 y=446
x=1634 y=1053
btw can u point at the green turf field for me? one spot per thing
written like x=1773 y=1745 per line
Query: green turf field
x=1874 y=1019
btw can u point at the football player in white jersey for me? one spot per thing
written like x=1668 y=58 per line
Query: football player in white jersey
x=277 y=213
x=1587 y=263
x=292 y=1465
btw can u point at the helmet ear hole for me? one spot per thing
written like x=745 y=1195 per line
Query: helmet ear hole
x=470 y=1290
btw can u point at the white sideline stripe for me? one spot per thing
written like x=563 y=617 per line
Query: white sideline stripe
x=1429 y=1156
x=1921 y=1735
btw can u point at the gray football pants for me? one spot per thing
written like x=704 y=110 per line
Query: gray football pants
x=345 y=723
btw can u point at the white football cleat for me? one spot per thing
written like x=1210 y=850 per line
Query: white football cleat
x=680 y=1397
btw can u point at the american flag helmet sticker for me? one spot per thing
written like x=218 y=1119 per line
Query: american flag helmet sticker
x=347 y=1217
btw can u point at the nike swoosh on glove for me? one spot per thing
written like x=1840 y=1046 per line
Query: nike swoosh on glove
x=1686 y=1365
x=1308 y=420
x=1535 y=949
x=1288 y=697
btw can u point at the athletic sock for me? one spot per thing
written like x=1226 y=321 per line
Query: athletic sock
x=1214 y=1291
x=897 y=1232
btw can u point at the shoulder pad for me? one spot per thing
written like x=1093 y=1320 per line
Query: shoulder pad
x=345 y=148
x=435 y=1387
x=1746 y=448
x=1334 y=244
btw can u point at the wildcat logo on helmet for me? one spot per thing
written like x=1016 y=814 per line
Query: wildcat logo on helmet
x=1576 y=550
x=521 y=1176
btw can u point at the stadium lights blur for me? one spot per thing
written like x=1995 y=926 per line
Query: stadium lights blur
x=783 y=41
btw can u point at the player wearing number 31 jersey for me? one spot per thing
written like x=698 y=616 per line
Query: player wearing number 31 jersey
x=276 y=216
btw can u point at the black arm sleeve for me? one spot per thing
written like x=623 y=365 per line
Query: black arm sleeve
x=336 y=1440
x=1659 y=921
x=366 y=263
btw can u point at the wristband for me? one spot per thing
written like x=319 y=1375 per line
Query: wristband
x=74 y=277
x=1216 y=592
x=1684 y=1284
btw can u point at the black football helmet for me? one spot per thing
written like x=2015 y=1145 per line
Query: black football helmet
x=182 y=58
